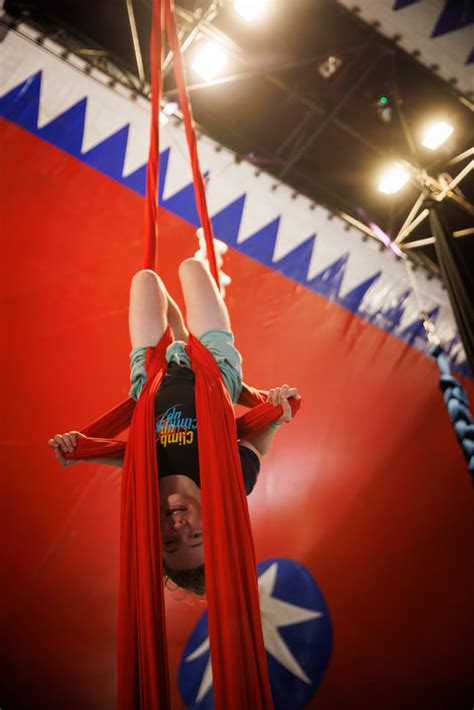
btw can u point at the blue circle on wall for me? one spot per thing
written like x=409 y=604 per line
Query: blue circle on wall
x=298 y=640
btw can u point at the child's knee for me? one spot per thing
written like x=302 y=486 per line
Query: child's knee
x=143 y=275
x=191 y=265
x=146 y=280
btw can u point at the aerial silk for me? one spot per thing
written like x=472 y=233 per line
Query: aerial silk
x=240 y=676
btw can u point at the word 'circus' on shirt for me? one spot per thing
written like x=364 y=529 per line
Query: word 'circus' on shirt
x=177 y=430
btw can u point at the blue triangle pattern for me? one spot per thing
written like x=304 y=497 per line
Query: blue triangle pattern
x=183 y=204
x=164 y=164
x=448 y=347
x=295 y=265
x=454 y=16
x=21 y=104
x=136 y=181
x=226 y=223
x=415 y=330
x=261 y=245
x=109 y=156
x=328 y=282
x=389 y=318
x=353 y=299
x=461 y=366
x=66 y=130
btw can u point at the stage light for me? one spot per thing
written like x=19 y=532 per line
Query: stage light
x=394 y=179
x=170 y=108
x=250 y=9
x=209 y=61
x=329 y=67
x=436 y=134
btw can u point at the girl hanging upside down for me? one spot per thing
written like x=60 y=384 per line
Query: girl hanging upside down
x=151 y=310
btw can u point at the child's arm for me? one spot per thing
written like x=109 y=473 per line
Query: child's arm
x=104 y=460
x=63 y=443
x=262 y=440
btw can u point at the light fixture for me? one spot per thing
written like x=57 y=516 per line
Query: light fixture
x=436 y=133
x=170 y=108
x=250 y=10
x=209 y=61
x=394 y=179
x=329 y=67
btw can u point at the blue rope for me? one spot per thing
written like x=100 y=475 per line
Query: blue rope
x=455 y=397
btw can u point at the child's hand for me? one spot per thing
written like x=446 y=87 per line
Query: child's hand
x=280 y=396
x=62 y=443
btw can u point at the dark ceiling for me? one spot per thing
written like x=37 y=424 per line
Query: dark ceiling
x=323 y=137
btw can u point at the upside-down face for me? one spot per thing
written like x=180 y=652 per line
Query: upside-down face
x=181 y=529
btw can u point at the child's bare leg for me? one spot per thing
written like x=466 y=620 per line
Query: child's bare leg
x=147 y=315
x=205 y=307
x=176 y=321
x=151 y=309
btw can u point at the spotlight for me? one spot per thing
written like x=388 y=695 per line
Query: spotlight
x=170 y=108
x=436 y=134
x=394 y=179
x=209 y=61
x=329 y=67
x=250 y=9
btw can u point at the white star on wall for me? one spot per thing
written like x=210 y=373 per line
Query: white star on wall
x=275 y=613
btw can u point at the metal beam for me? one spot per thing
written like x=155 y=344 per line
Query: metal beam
x=136 y=42
x=411 y=215
x=263 y=72
x=464 y=232
x=462 y=156
x=236 y=51
x=419 y=243
x=207 y=16
x=329 y=117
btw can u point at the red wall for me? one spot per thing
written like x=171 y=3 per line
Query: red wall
x=367 y=488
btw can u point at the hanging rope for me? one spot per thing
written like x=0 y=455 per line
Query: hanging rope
x=456 y=400
x=455 y=395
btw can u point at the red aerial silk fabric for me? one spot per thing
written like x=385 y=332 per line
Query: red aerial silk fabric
x=185 y=104
x=153 y=167
x=240 y=676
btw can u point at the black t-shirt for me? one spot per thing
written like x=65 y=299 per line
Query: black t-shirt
x=177 y=433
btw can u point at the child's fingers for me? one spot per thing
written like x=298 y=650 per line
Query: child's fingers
x=60 y=457
x=271 y=396
x=69 y=442
x=282 y=393
x=286 y=416
x=61 y=443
